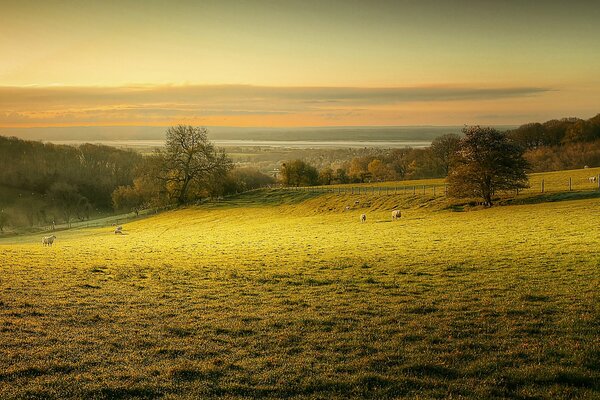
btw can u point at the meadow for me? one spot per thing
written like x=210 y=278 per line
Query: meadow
x=287 y=295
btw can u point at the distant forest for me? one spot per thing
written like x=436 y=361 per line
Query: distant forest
x=42 y=182
x=568 y=143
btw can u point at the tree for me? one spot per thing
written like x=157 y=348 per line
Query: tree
x=380 y=171
x=341 y=176
x=443 y=149
x=486 y=162
x=326 y=176
x=299 y=173
x=190 y=160
x=359 y=169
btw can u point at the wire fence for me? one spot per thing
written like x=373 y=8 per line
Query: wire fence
x=537 y=184
x=107 y=221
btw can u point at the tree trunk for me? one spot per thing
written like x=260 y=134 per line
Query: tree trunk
x=183 y=192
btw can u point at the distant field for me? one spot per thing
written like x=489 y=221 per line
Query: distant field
x=284 y=294
x=557 y=181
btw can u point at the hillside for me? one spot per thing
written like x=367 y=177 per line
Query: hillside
x=285 y=294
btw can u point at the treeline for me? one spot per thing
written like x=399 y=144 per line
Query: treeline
x=378 y=166
x=94 y=170
x=43 y=183
x=47 y=184
x=556 y=132
x=568 y=143
x=555 y=145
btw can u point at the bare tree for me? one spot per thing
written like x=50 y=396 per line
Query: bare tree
x=190 y=160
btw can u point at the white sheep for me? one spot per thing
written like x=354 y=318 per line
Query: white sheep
x=396 y=214
x=363 y=218
x=48 y=240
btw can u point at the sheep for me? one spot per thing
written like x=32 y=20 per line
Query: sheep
x=48 y=240
x=592 y=179
x=356 y=202
x=119 y=230
x=396 y=214
x=363 y=218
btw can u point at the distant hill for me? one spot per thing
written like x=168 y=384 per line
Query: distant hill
x=236 y=133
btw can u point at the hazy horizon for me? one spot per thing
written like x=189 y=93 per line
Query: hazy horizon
x=316 y=134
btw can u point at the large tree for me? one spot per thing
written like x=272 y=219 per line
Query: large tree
x=190 y=161
x=486 y=162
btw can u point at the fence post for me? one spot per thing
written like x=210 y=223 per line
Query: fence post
x=414 y=190
x=433 y=190
x=570 y=184
x=445 y=189
x=543 y=186
x=598 y=180
x=423 y=189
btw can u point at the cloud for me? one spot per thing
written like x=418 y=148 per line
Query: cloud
x=152 y=104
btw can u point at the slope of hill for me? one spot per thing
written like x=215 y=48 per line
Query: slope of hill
x=287 y=294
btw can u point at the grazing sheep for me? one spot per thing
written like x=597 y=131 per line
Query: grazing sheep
x=48 y=240
x=347 y=207
x=592 y=179
x=363 y=218
x=396 y=214
x=119 y=230
x=356 y=202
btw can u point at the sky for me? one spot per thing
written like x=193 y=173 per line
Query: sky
x=297 y=63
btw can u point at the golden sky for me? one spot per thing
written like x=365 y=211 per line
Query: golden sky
x=297 y=63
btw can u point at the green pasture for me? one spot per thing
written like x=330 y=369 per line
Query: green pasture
x=288 y=295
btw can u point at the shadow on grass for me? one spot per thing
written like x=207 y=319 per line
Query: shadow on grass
x=264 y=197
x=551 y=197
x=474 y=205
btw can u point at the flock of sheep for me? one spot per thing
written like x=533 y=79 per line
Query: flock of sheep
x=49 y=240
x=396 y=214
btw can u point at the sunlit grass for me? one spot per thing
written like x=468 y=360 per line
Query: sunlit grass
x=287 y=294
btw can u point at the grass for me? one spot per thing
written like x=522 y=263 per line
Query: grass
x=287 y=295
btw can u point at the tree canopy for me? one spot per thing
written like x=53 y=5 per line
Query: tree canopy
x=486 y=162
x=299 y=173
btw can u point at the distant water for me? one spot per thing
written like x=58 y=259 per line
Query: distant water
x=294 y=144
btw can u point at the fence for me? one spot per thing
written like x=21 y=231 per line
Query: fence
x=113 y=219
x=537 y=184
x=432 y=190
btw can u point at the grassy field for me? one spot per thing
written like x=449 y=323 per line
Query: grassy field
x=554 y=182
x=282 y=294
